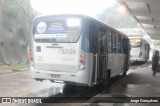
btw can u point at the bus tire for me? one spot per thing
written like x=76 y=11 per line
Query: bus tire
x=124 y=74
x=106 y=79
x=69 y=89
x=125 y=71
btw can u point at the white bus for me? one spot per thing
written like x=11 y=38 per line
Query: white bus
x=140 y=49
x=78 y=50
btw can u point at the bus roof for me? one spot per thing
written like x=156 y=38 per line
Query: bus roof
x=43 y=16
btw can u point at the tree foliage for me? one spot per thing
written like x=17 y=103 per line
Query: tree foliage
x=19 y=17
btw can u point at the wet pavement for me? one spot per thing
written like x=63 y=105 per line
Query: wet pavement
x=20 y=84
x=138 y=83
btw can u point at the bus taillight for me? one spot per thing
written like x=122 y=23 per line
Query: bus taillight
x=82 y=58
x=140 y=54
x=30 y=55
x=82 y=61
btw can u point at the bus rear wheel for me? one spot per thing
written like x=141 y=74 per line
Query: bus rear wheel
x=106 y=79
x=124 y=74
x=69 y=89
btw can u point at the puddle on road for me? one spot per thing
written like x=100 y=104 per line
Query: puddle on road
x=130 y=90
x=132 y=86
x=119 y=94
x=45 y=89
x=139 y=90
x=50 y=92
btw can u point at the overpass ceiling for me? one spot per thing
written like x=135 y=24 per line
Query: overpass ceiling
x=147 y=14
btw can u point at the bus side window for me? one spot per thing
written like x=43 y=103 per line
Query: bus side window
x=124 y=45
x=119 y=44
x=127 y=46
x=103 y=42
x=109 y=42
x=113 y=42
x=93 y=36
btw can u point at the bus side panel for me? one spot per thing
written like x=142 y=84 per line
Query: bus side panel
x=92 y=36
x=116 y=63
x=85 y=47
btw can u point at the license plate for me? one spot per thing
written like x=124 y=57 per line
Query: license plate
x=133 y=55
x=55 y=76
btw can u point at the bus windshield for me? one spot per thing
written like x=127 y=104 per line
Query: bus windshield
x=57 y=29
x=135 y=43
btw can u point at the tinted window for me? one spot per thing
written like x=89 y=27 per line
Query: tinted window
x=57 y=29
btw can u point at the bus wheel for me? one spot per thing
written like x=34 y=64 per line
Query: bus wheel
x=106 y=79
x=69 y=89
x=124 y=74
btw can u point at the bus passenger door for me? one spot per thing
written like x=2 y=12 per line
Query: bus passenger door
x=98 y=45
x=127 y=49
x=101 y=57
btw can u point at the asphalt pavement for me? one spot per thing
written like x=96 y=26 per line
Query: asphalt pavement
x=139 y=82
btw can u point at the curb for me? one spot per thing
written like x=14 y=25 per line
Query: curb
x=13 y=71
x=16 y=70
